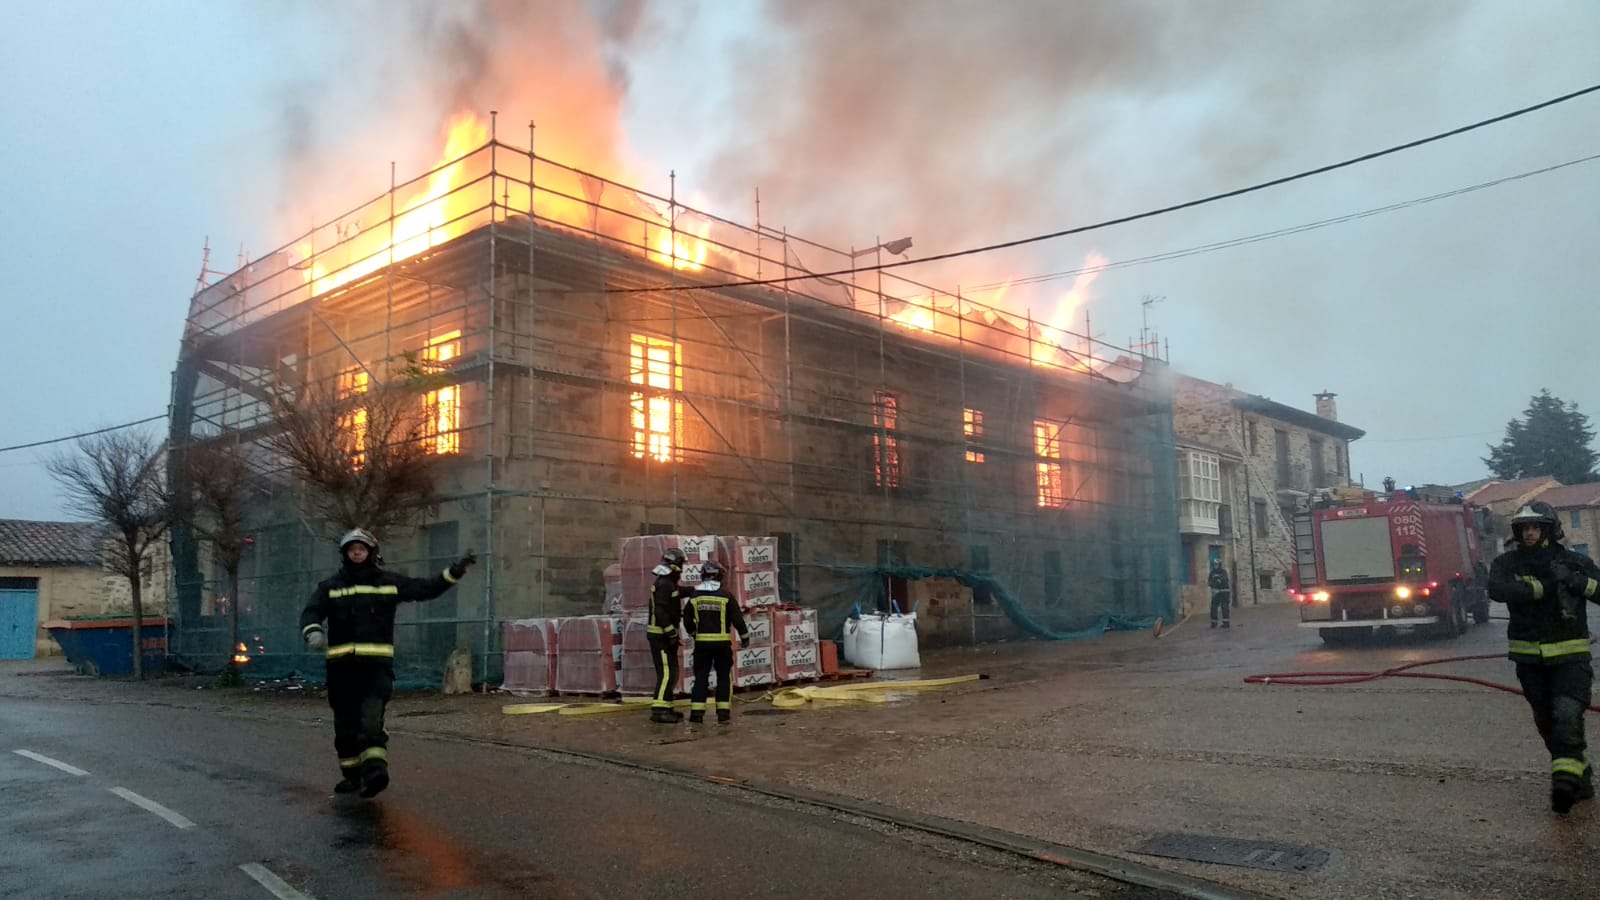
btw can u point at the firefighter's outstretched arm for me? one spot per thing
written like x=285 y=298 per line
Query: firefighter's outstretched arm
x=1510 y=589
x=421 y=589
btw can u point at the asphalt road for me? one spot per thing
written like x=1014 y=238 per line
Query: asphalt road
x=154 y=801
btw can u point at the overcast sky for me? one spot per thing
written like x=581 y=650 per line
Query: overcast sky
x=130 y=133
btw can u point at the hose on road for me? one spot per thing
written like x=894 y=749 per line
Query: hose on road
x=1324 y=679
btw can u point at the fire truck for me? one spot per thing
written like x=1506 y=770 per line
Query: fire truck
x=1399 y=559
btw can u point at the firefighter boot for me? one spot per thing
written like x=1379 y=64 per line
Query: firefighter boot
x=349 y=781
x=1565 y=791
x=374 y=778
x=666 y=715
x=724 y=717
x=697 y=717
x=1586 y=789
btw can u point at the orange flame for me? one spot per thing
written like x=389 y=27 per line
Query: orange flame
x=426 y=219
x=686 y=253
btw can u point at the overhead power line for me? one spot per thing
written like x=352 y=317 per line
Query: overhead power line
x=73 y=437
x=1278 y=232
x=1432 y=437
x=1134 y=217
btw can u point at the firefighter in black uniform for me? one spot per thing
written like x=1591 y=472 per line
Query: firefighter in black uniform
x=1221 y=596
x=712 y=616
x=666 y=609
x=358 y=603
x=1544 y=586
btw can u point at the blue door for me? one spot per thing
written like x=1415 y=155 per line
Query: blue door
x=17 y=623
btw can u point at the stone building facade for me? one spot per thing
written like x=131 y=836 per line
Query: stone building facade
x=1244 y=464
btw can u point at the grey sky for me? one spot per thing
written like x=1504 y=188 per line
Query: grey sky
x=131 y=132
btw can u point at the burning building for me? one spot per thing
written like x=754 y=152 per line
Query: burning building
x=605 y=362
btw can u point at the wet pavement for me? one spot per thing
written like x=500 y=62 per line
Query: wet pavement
x=112 y=798
x=1414 y=788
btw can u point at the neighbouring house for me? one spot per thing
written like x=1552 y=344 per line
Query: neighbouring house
x=1578 y=507
x=1244 y=464
x=1505 y=497
x=55 y=570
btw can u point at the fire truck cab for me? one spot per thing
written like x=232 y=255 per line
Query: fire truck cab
x=1400 y=559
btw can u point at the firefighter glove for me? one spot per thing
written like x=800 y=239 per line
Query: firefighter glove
x=1577 y=583
x=459 y=567
x=316 y=640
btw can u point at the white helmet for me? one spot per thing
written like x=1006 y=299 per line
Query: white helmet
x=359 y=536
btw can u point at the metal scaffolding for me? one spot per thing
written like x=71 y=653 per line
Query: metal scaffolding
x=623 y=364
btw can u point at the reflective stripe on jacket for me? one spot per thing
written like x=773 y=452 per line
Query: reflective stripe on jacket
x=358 y=604
x=712 y=616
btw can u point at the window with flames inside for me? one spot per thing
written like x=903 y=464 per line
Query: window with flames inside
x=1051 y=478
x=972 y=428
x=353 y=382
x=655 y=367
x=442 y=406
x=885 y=442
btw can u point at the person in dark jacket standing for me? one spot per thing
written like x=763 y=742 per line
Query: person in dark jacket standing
x=1544 y=587
x=358 y=603
x=666 y=610
x=712 y=616
x=1221 y=595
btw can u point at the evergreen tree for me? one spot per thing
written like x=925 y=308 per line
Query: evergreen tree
x=1551 y=438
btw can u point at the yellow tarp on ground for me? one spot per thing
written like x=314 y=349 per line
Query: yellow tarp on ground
x=783 y=698
x=528 y=709
x=862 y=692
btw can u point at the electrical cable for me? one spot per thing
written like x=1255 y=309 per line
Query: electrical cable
x=1133 y=217
x=84 y=434
x=1275 y=233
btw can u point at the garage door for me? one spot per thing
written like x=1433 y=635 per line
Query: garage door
x=18 y=622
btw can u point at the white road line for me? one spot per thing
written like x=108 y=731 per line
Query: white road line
x=152 y=806
x=273 y=883
x=39 y=757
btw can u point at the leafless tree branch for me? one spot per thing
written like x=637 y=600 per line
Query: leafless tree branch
x=118 y=479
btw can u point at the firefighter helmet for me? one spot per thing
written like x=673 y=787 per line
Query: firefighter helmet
x=358 y=536
x=1538 y=513
x=674 y=557
x=711 y=570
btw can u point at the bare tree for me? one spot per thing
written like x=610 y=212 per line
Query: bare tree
x=119 y=480
x=219 y=482
x=368 y=458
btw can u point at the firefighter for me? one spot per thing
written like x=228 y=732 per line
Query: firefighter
x=1544 y=586
x=712 y=616
x=666 y=609
x=358 y=603
x=1221 y=597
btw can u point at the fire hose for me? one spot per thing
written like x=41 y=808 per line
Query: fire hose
x=1324 y=679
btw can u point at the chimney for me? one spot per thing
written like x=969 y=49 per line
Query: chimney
x=1326 y=408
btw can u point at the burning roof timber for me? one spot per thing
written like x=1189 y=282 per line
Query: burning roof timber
x=487 y=188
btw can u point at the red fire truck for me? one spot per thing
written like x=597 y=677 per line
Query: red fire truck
x=1401 y=559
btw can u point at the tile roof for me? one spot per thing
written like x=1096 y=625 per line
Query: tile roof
x=1501 y=491
x=49 y=543
x=1568 y=496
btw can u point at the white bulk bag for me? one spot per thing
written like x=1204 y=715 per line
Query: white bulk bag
x=882 y=642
